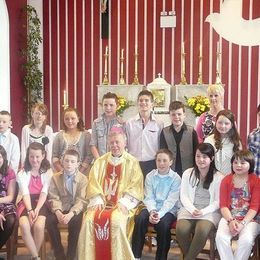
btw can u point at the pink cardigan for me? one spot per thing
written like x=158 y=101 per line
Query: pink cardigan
x=227 y=186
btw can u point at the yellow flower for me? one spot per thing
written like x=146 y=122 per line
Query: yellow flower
x=123 y=104
x=198 y=104
x=191 y=101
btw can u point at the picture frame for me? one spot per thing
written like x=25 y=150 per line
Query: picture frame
x=162 y=97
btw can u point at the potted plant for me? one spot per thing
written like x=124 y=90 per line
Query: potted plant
x=33 y=74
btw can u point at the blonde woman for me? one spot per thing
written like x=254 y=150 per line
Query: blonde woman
x=207 y=120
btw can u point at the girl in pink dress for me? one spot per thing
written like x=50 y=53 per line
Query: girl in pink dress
x=7 y=193
x=33 y=181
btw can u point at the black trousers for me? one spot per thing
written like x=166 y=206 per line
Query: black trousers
x=147 y=166
x=8 y=226
x=73 y=229
x=163 y=229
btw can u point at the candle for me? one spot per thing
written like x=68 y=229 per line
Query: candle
x=200 y=65
x=106 y=53
x=183 y=64
x=122 y=53
x=217 y=65
x=218 y=47
x=65 y=98
x=182 y=48
x=105 y=66
x=200 y=50
x=218 y=57
x=122 y=67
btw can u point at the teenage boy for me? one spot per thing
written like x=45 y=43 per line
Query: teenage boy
x=9 y=141
x=143 y=133
x=253 y=142
x=179 y=138
x=67 y=199
x=102 y=125
x=162 y=189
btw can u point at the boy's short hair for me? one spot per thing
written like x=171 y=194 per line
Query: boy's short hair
x=5 y=113
x=146 y=92
x=258 y=108
x=72 y=152
x=110 y=95
x=174 y=105
x=166 y=151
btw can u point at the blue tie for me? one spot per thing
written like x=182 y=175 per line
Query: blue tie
x=69 y=183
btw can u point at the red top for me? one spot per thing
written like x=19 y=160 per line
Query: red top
x=227 y=187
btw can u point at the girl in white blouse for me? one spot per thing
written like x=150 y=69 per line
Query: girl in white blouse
x=199 y=196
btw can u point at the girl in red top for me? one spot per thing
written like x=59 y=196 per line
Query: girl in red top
x=239 y=204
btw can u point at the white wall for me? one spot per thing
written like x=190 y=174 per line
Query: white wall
x=4 y=58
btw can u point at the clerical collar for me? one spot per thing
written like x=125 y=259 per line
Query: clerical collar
x=116 y=160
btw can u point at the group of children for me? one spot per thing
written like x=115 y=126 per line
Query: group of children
x=184 y=180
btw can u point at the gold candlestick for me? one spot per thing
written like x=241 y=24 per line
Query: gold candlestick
x=65 y=106
x=122 y=80
x=136 y=81
x=65 y=100
x=200 y=81
x=218 y=79
x=183 y=77
x=105 y=80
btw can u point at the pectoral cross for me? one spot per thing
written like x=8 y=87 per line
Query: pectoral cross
x=113 y=175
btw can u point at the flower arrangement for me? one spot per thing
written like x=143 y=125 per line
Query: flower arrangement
x=198 y=104
x=123 y=104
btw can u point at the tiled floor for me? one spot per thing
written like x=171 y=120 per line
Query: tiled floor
x=174 y=253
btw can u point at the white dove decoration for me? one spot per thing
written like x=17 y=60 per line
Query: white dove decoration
x=230 y=25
